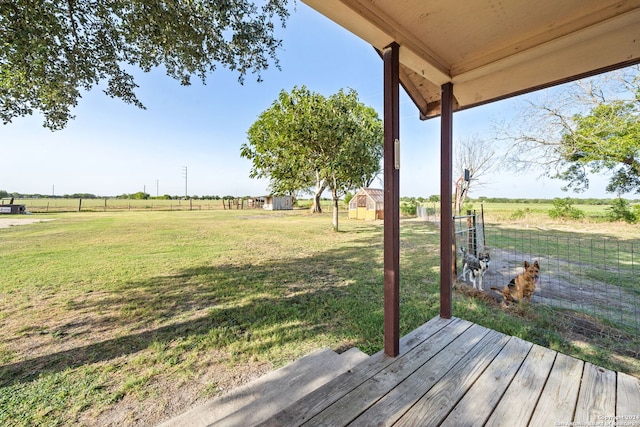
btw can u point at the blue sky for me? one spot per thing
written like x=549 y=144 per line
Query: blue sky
x=113 y=148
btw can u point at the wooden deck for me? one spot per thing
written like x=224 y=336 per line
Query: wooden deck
x=455 y=373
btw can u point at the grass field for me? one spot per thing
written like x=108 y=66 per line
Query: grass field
x=496 y=212
x=127 y=318
x=537 y=212
x=51 y=205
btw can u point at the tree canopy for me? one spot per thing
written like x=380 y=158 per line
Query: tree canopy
x=592 y=126
x=52 y=50
x=605 y=139
x=306 y=142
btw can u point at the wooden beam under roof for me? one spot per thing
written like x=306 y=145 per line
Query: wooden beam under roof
x=493 y=50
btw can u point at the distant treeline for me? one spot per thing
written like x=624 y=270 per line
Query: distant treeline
x=133 y=196
x=433 y=198
x=571 y=200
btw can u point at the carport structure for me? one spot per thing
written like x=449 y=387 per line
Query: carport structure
x=451 y=55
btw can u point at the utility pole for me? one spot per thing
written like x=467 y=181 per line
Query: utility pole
x=184 y=174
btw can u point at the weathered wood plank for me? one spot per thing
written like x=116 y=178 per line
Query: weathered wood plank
x=437 y=329
x=391 y=407
x=288 y=387
x=422 y=333
x=519 y=400
x=442 y=397
x=414 y=371
x=597 y=397
x=558 y=399
x=477 y=404
x=488 y=378
x=628 y=401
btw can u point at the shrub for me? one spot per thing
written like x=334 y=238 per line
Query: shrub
x=520 y=213
x=347 y=198
x=620 y=210
x=468 y=206
x=562 y=209
x=408 y=207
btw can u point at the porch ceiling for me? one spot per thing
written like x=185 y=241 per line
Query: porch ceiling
x=492 y=49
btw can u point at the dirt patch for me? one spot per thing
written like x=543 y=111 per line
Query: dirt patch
x=169 y=397
x=10 y=221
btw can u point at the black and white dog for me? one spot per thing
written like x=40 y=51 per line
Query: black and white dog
x=475 y=266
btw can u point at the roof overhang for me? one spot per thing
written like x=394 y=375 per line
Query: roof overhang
x=492 y=49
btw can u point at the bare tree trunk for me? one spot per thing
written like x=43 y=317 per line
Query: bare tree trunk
x=334 y=195
x=315 y=207
x=461 y=195
x=321 y=185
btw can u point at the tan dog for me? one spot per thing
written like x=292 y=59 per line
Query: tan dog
x=522 y=286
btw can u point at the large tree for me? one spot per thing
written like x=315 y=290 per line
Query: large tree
x=308 y=142
x=51 y=50
x=591 y=126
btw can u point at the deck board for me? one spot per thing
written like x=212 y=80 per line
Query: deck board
x=597 y=397
x=321 y=398
x=558 y=400
x=628 y=398
x=435 y=405
x=454 y=373
x=478 y=403
x=423 y=366
x=518 y=402
x=400 y=399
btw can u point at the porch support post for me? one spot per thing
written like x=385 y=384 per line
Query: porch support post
x=390 y=56
x=446 y=210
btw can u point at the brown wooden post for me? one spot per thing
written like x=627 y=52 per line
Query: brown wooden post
x=390 y=56
x=446 y=210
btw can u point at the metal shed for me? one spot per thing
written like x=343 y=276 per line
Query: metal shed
x=278 y=203
x=368 y=203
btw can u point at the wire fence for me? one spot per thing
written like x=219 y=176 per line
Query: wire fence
x=118 y=205
x=596 y=277
x=593 y=281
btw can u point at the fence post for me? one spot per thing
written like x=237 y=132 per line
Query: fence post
x=474 y=233
x=454 y=252
x=79 y=205
x=484 y=236
x=471 y=248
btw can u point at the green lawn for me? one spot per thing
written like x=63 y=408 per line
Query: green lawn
x=539 y=212
x=111 y=317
